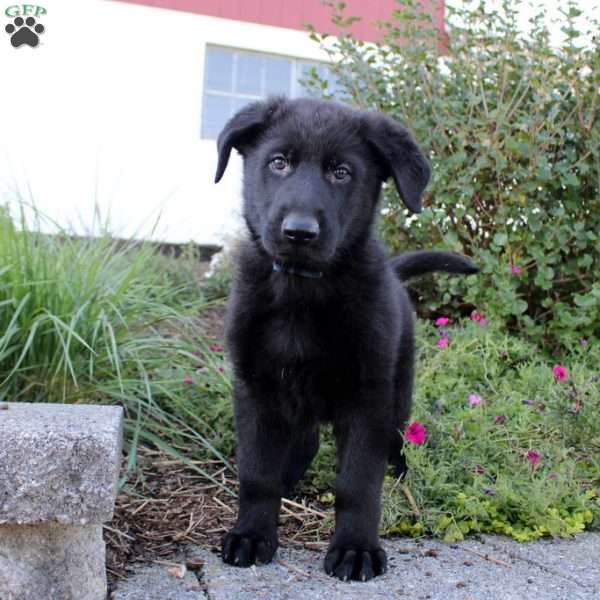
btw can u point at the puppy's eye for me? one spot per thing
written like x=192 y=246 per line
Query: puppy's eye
x=341 y=173
x=279 y=163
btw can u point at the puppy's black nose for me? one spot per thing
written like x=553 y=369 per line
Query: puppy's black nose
x=300 y=229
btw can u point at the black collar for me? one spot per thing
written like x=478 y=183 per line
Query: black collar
x=295 y=270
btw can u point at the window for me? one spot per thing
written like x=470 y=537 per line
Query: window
x=233 y=78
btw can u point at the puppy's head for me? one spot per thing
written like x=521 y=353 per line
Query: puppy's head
x=313 y=172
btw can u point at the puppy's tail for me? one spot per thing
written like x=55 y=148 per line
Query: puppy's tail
x=421 y=262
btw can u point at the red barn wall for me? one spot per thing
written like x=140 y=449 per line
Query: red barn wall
x=294 y=14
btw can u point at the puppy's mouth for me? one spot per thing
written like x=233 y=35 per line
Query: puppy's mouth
x=296 y=270
x=302 y=264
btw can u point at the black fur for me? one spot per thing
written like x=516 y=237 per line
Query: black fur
x=320 y=331
x=413 y=264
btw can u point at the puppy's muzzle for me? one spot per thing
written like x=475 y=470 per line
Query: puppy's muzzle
x=300 y=229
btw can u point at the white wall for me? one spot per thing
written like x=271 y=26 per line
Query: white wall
x=106 y=110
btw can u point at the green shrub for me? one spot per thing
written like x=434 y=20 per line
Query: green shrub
x=512 y=130
x=521 y=459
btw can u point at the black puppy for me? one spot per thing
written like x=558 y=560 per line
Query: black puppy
x=319 y=327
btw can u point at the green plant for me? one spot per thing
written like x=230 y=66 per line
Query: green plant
x=510 y=123
x=219 y=278
x=95 y=320
x=510 y=448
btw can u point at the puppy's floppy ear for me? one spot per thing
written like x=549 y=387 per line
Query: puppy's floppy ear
x=400 y=157
x=242 y=129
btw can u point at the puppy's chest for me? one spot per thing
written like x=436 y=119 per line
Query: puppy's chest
x=291 y=338
x=310 y=360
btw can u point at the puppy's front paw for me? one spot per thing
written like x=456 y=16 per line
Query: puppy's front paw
x=352 y=563
x=245 y=549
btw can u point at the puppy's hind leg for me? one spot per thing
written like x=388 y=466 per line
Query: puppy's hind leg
x=403 y=392
x=403 y=389
x=304 y=447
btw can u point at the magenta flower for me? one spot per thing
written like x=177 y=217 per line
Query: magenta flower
x=443 y=342
x=479 y=318
x=215 y=348
x=415 y=433
x=441 y=321
x=534 y=458
x=499 y=419
x=583 y=342
x=560 y=373
x=188 y=380
x=221 y=369
x=474 y=399
x=514 y=269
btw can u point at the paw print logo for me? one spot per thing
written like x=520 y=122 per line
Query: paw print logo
x=24 y=32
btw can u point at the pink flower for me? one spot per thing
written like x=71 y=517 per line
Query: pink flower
x=583 y=342
x=443 y=342
x=478 y=470
x=188 y=380
x=514 y=269
x=474 y=399
x=499 y=419
x=415 y=433
x=441 y=321
x=221 y=369
x=215 y=348
x=577 y=407
x=476 y=316
x=534 y=458
x=560 y=373
x=482 y=322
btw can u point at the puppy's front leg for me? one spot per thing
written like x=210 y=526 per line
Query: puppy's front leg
x=262 y=446
x=363 y=436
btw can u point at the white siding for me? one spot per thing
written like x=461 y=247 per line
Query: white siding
x=107 y=111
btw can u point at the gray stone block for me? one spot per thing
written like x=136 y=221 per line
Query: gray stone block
x=59 y=463
x=52 y=562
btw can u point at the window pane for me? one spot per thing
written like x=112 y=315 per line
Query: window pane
x=248 y=77
x=240 y=103
x=219 y=69
x=334 y=87
x=305 y=73
x=278 y=76
x=215 y=112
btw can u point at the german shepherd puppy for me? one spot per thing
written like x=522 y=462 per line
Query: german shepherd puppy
x=319 y=326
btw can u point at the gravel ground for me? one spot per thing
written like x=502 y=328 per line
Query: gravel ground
x=494 y=568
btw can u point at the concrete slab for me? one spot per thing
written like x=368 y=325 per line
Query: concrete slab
x=156 y=583
x=497 y=569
